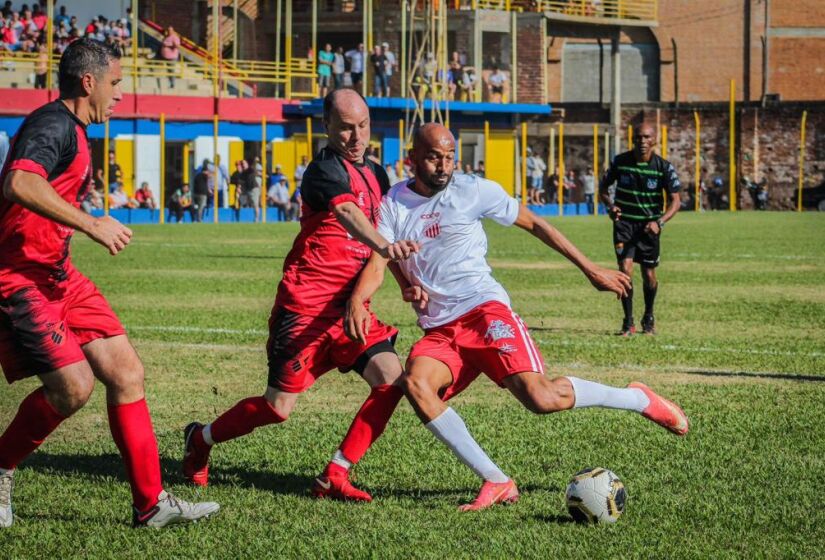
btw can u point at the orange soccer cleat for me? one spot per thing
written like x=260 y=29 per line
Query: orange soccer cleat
x=338 y=488
x=662 y=411
x=493 y=493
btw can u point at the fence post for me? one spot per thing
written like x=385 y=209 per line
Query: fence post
x=629 y=137
x=106 y=168
x=524 y=164
x=264 y=183
x=216 y=177
x=162 y=166
x=732 y=148
x=595 y=170
x=801 y=161
x=697 y=203
x=560 y=189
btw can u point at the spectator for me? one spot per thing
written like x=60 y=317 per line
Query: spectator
x=569 y=186
x=392 y=64
x=300 y=170
x=430 y=68
x=119 y=199
x=7 y=9
x=480 y=171
x=39 y=18
x=92 y=201
x=496 y=85
x=170 y=52
x=115 y=174
x=391 y=174
x=338 y=68
x=201 y=191
x=326 y=59
x=278 y=197
x=372 y=154
x=61 y=17
x=356 y=65
x=277 y=176
x=535 y=173
x=589 y=182
x=145 y=198
x=468 y=169
x=180 y=202
x=251 y=188
x=379 y=71
x=297 y=204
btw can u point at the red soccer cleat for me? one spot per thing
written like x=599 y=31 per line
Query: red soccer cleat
x=662 y=411
x=492 y=493
x=195 y=455
x=338 y=488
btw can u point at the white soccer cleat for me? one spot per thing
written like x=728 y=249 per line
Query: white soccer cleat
x=170 y=510
x=6 y=485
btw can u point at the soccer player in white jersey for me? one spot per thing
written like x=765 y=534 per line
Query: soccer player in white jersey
x=468 y=324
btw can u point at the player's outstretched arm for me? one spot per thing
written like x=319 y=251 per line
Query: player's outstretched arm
x=358 y=226
x=356 y=316
x=34 y=193
x=603 y=279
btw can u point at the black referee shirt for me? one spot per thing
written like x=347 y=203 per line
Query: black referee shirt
x=641 y=187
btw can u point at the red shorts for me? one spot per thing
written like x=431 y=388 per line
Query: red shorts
x=302 y=348
x=490 y=338
x=43 y=328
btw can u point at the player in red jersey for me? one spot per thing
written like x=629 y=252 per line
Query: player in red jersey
x=341 y=192
x=54 y=323
x=468 y=324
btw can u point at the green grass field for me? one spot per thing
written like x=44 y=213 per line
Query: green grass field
x=741 y=317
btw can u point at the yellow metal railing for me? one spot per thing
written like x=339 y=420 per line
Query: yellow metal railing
x=299 y=71
x=604 y=9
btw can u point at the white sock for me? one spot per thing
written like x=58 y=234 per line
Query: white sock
x=340 y=460
x=451 y=430
x=588 y=393
x=207 y=435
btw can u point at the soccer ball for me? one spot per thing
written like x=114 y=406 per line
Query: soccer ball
x=595 y=496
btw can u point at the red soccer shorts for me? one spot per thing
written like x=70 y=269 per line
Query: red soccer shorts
x=43 y=328
x=490 y=338
x=302 y=348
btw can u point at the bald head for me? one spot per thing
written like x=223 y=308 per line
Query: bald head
x=433 y=155
x=347 y=120
x=645 y=142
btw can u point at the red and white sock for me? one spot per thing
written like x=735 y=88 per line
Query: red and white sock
x=36 y=418
x=240 y=420
x=366 y=427
x=590 y=393
x=134 y=436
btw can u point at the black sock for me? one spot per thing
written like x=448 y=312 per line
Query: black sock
x=627 y=305
x=650 y=298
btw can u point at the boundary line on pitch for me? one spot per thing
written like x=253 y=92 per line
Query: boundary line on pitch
x=562 y=342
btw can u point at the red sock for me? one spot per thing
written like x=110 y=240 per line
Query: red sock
x=369 y=423
x=244 y=417
x=132 y=431
x=35 y=420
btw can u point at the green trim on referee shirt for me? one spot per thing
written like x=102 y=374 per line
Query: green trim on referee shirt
x=638 y=218
x=638 y=204
x=638 y=193
x=651 y=172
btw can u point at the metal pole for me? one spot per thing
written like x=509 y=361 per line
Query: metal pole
x=401 y=140
x=544 y=77
x=664 y=141
x=278 y=18
x=524 y=164
x=49 y=46
x=616 y=86
x=309 y=138
x=263 y=169
x=215 y=178
x=288 y=49
x=162 y=165
x=630 y=137
x=801 y=161
x=106 y=168
x=215 y=49
x=697 y=203
x=315 y=43
x=235 y=32
x=596 y=169
x=135 y=45
x=732 y=148
x=365 y=8
x=514 y=58
x=606 y=150
x=561 y=170
x=403 y=51
x=186 y=151
x=552 y=152
x=486 y=146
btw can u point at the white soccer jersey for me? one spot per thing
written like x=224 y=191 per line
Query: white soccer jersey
x=451 y=266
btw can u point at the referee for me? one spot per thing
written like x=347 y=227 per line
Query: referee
x=643 y=180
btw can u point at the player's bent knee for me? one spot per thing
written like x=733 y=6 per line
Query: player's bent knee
x=73 y=395
x=417 y=387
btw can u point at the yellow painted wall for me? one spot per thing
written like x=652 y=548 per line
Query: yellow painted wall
x=235 y=154
x=499 y=159
x=125 y=158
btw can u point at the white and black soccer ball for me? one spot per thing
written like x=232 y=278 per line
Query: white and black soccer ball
x=595 y=495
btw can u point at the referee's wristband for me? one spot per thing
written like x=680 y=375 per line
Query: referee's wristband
x=661 y=224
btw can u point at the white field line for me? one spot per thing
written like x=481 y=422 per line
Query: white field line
x=545 y=342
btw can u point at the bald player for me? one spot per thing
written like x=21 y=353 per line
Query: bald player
x=643 y=181
x=469 y=326
x=341 y=192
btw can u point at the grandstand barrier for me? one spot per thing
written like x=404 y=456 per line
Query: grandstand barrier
x=139 y=216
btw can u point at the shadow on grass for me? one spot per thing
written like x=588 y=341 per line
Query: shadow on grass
x=759 y=375
x=557 y=519
x=245 y=257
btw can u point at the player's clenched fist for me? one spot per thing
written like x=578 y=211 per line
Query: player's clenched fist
x=417 y=296
x=607 y=280
x=400 y=250
x=110 y=233
x=357 y=321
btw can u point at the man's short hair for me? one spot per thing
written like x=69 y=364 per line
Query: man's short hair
x=84 y=56
x=330 y=99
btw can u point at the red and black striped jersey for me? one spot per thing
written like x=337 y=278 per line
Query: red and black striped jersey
x=34 y=250
x=323 y=265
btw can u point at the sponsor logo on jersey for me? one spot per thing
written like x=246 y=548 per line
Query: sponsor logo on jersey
x=432 y=231
x=652 y=184
x=58 y=332
x=431 y=216
x=498 y=329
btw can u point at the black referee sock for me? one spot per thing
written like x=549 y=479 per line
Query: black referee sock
x=650 y=298
x=627 y=305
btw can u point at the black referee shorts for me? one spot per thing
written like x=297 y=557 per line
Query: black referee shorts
x=631 y=241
